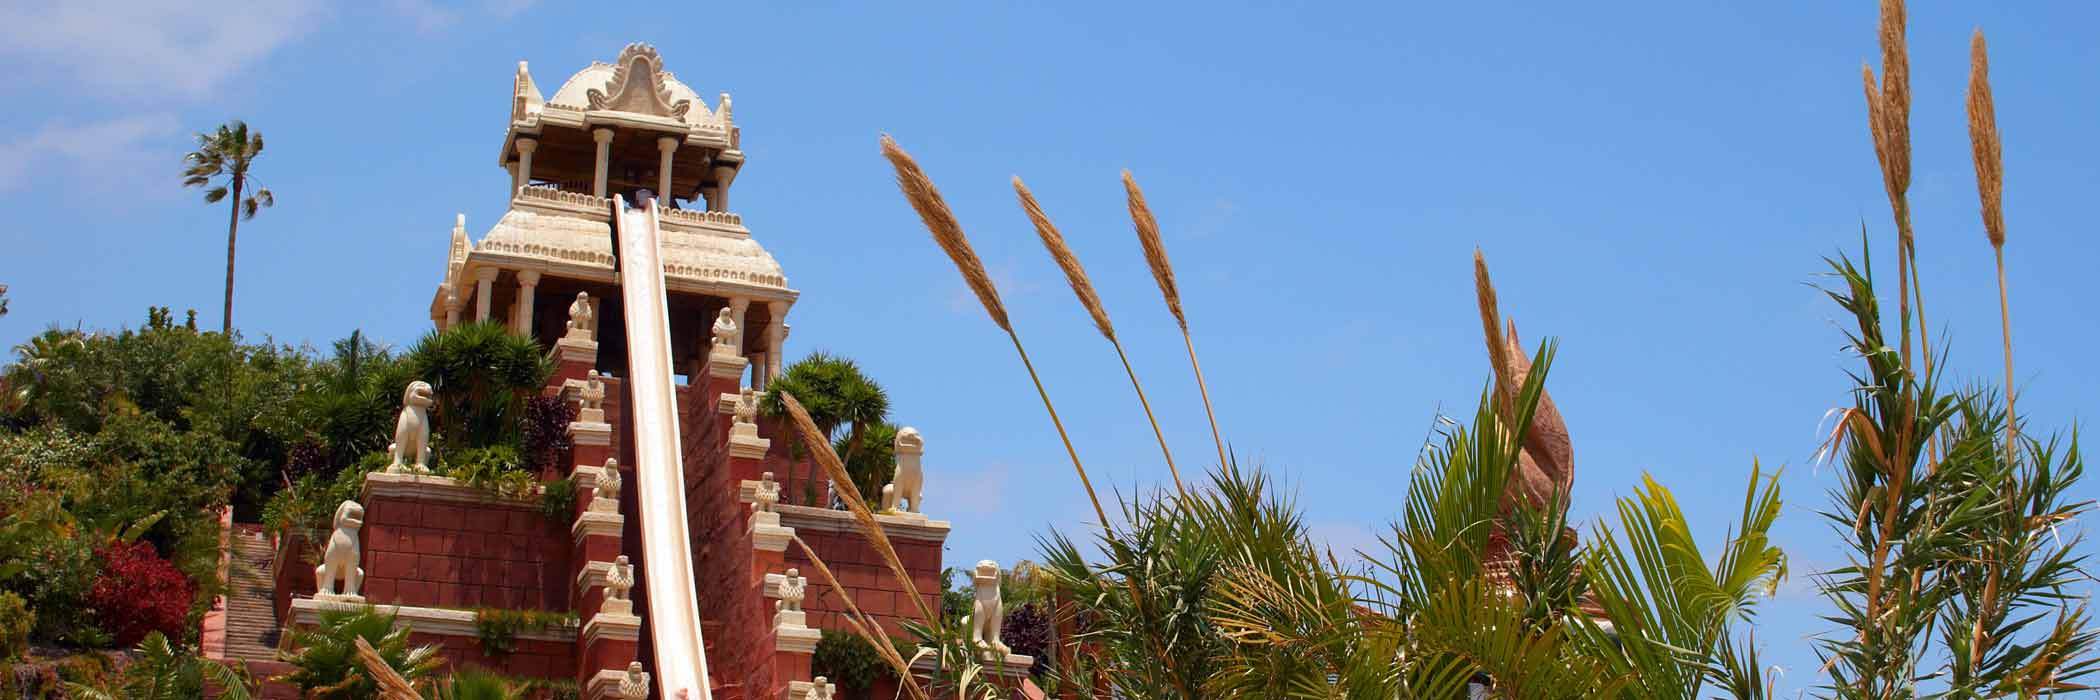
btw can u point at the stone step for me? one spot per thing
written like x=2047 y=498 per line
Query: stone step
x=251 y=619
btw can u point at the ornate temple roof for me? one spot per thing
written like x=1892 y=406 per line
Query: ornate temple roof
x=633 y=91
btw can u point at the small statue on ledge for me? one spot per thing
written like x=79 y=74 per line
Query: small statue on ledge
x=605 y=490
x=821 y=689
x=636 y=685
x=766 y=494
x=726 y=334
x=340 y=560
x=411 y=447
x=985 y=618
x=792 y=589
x=581 y=318
x=619 y=580
x=592 y=399
x=746 y=409
x=908 y=484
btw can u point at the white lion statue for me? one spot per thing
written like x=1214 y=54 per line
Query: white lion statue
x=340 y=559
x=986 y=615
x=908 y=486
x=411 y=447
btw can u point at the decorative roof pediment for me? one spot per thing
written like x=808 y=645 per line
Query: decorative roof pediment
x=639 y=85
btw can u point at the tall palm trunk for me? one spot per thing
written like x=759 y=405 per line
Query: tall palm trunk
x=233 y=225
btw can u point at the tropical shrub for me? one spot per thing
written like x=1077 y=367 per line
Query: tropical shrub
x=482 y=375
x=546 y=433
x=160 y=670
x=16 y=619
x=138 y=592
x=324 y=657
x=496 y=468
x=848 y=662
x=1029 y=630
x=836 y=394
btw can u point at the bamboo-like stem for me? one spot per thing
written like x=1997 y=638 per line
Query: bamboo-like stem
x=1156 y=434
x=1062 y=436
x=391 y=685
x=1163 y=272
x=1204 y=390
x=1987 y=149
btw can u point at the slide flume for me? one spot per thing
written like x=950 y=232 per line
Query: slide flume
x=674 y=611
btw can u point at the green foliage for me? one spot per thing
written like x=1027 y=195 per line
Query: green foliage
x=482 y=374
x=16 y=619
x=1954 y=534
x=836 y=394
x=324 y=657
x=874 y=463
x=474 y=684
x=160 y=670
x=497 y=629
x=497 y=469
x=307 y=509
x=850 y=662
x=558 y=499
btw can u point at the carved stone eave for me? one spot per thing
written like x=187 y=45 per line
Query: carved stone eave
x=638 y=86
x=430 y=487
x=905 y=526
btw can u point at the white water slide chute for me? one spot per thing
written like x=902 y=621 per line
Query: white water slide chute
x=681 y=663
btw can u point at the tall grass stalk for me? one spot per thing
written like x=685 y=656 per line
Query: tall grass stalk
x=1075 y=274
x=1163 y=272
x=948 y=234
x=1990 y=188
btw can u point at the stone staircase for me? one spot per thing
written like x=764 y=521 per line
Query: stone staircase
x=251 y=621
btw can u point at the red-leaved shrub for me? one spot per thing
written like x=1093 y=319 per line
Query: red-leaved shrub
x=139 y=592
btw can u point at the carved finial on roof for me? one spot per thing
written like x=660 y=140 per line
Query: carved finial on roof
x=525 y=95
x=639 y=85
x=723 y=114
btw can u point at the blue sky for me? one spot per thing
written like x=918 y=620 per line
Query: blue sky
x=1653 y=183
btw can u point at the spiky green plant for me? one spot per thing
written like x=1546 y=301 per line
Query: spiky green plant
x=160 y=670
x=324 y=657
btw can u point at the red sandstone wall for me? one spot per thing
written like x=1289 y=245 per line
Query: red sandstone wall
x=733 y=609
x=447 y=555
x=867 y=578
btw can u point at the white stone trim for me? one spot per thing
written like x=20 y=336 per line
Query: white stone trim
x=900 y=527
x=592 y=434
x=431 y=487
x=748 y=447
x=444 y=621
x=1014 y=665
x=604 y=685
x=796 y=639
x=585 y=476
x=770 y=538
x=596 y=523
x=731 y=367
x=608 y=626
x=576 y=350
x=593 y=575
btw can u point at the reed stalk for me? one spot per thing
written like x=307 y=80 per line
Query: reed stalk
x=948 y=234
x=1491 y=328
x=1163 y=272
x=1083 y=287
x=1988 y=149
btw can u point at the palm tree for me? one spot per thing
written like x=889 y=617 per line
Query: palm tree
x=229 y=153
x=835 y=393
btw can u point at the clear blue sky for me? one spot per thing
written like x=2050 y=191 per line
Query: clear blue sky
x=1653 y=183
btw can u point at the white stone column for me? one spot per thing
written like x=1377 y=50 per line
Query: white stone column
x=666 y=147
x=604 y=138
x=452 y=307
x=524 y=172
x=738 y=308
x=484 y=290
x=720 y=202
x=528 y=282
x=776 y=335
